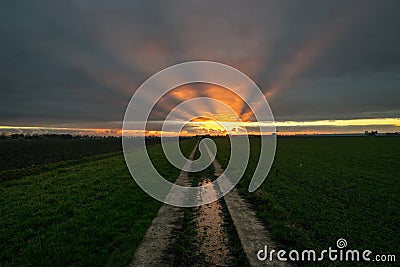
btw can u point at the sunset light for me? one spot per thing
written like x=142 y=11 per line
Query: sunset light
x=199 y=133
x=226 y=125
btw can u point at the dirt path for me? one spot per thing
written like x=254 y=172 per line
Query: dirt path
x=161 y=235
x=212 y=234
x=252 y=233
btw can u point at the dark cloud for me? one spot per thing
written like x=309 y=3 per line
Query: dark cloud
x=78 y=62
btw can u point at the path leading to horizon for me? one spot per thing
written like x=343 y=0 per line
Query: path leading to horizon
x=212 y=232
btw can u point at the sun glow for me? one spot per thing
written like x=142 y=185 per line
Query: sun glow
x=226 y=125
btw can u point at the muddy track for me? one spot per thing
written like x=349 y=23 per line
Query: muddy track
x=161 y=235
x=214 y=239
x=252 y=233
x=222 y=231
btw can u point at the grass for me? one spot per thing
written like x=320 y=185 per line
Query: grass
x=234 y=244
x=17 y=154
x=323 y=189
x=19 y=158
x=185 y=250
x=89 y=213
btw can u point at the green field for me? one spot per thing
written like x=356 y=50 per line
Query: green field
x=88 y=211
x=83 y=213
x=321 y=189
x=22 y=157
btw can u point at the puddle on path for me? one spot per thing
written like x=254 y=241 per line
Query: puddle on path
x=212 y=231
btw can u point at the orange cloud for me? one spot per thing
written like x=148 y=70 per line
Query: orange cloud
x=209 y=108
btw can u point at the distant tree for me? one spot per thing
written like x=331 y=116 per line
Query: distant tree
x=17 y=136
x=372 y=133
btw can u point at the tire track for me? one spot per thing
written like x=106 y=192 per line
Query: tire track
x=252 y=233
x=153 y=250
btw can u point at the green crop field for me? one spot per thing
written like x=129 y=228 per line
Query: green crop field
x=87 y=212
x=321 y=189
x=22 y=157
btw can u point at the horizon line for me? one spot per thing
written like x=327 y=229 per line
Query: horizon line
x=289 y=127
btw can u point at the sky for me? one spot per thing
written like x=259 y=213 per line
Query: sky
x=324 y=66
